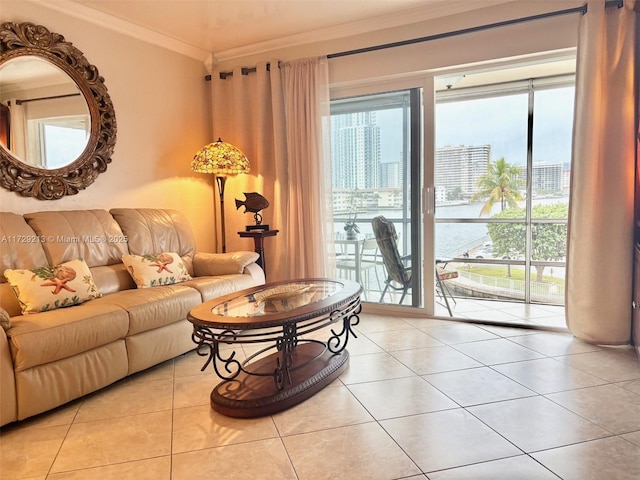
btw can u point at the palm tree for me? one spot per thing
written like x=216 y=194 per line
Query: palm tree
x=499 y=184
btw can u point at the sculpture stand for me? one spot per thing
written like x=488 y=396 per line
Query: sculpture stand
x=258 y=226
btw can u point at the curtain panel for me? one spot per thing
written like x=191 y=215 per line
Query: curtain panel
x=18 y=131
x=310 y=219
x=601 y=216
x=636 y=285
x=248 y=112
x=275 y=117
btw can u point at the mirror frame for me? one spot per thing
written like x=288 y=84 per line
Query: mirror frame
x=22 y=39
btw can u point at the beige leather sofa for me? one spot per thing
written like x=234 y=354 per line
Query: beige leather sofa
x=52 y=357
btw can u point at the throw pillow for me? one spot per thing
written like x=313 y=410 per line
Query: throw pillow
x=154 y=270
x=55 y=286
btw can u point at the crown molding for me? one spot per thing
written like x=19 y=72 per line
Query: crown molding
x=434 y=9
x=124 y=27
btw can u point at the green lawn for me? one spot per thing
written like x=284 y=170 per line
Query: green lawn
x=517 y=273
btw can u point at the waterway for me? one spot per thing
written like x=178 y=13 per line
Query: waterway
x=452 y=239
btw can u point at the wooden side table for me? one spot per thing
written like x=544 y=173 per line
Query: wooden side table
x=258 y=240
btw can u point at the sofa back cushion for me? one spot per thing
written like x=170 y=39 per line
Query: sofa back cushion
x=20 y=248
x=151 y=231
x=92 y=235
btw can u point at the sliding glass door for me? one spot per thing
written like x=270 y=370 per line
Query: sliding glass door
x=502 y=169
x=474 y=180
x=375 y=155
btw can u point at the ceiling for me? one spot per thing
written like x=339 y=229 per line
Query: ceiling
x=227 y=28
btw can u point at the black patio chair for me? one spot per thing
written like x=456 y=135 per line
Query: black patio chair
x=398 y=270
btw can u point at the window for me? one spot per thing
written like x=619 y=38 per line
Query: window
x=57 y=140
x=502 y=167
x=375 y=154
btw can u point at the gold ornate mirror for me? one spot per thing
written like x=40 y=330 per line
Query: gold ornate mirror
x=57 y=123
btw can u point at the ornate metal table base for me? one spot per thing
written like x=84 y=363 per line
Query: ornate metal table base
x=294 y=364
x=248 y=395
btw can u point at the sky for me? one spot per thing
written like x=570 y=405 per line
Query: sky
x=498 y=121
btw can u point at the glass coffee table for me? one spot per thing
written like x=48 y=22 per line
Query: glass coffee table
x=294 y=364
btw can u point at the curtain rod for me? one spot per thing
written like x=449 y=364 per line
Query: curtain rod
x=20 y=102
x=244 y=71
x=454 y=33
x=582 y=10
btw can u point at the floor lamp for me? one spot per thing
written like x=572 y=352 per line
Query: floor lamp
x=223 y=160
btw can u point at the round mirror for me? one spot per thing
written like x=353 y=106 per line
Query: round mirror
x=48 y=122
x=57 y=124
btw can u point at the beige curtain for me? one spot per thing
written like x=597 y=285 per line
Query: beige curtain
x=309 y=220
x=19 y=130
x=249 y=112
x=600 y=243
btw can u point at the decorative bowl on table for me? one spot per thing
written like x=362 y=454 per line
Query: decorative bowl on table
x=285 y=297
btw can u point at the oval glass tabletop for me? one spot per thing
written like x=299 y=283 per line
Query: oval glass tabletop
x=276 y=302
x=277 y=298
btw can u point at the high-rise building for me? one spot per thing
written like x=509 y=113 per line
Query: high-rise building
x=458 y=168
x=391 y=174
x=355 y=153
x=547 y=177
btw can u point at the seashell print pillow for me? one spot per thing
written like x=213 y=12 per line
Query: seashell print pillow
x=154 y=270
x=54 y=286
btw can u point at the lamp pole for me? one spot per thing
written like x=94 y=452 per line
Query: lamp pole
x=221 y=180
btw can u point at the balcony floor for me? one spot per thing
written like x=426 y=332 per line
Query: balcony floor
x=519 y=314
x=510 y=313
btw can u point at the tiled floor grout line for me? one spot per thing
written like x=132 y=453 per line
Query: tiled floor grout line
x=173 y=415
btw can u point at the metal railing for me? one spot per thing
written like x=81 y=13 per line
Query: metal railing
x=503 y=287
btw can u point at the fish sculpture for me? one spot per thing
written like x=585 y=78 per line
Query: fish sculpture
x=254 y=202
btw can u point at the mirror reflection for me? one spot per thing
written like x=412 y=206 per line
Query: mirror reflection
x=44 y=118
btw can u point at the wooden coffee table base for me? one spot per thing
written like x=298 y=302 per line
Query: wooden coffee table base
x=251 y=395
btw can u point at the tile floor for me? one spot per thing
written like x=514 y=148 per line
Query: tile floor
x=421 y=398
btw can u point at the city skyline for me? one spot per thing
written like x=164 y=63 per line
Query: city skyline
x=357 y=164
x=367 y=146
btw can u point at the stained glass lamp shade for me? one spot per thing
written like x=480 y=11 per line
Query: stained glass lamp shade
x=221 y=159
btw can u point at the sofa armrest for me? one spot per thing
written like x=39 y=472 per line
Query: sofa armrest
x=8 y=402
x=5 y=319
x=222 y=263
x=256 y=272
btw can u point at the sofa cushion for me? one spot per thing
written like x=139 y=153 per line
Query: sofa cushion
x=155 y=270
x=49 y=336
x=20 y=247
x=112 y=278
x=47 y=288
x=150 y=231
x=90 y=234
x=150 y=308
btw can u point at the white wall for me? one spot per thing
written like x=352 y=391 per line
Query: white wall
x=548 y=34
x=162 y=106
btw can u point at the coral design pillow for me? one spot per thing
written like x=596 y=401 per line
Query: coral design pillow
x=47 y=288
x=155 y=270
